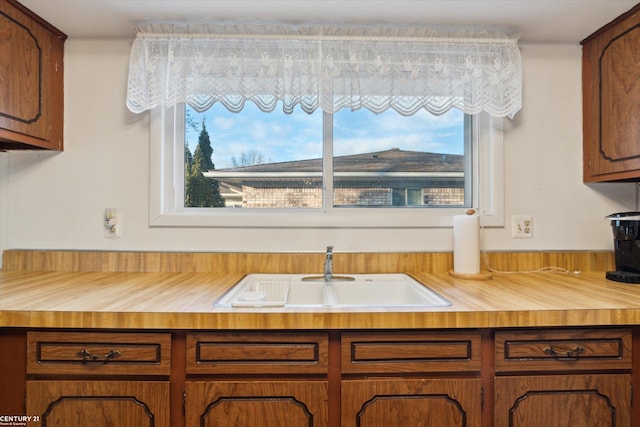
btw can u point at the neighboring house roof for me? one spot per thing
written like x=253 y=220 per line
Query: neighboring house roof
x=389 y=168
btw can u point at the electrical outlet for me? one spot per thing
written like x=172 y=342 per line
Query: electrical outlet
x=112 y=223
x=522 y=226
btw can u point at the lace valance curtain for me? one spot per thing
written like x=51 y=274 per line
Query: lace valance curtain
x=324 y=67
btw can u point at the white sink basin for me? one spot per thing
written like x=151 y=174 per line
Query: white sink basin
x=359 y=290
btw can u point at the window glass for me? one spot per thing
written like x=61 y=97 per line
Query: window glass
x=392 y=160
x=254 y=159
x=171 y=130
x=258 y=159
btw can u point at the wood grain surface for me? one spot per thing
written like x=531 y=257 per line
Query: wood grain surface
x=374 y=262
x=47 y=292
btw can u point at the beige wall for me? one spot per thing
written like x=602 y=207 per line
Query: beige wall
x=56 y=201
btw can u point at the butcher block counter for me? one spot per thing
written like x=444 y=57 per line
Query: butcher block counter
x=108 y=338
x=186 y=301
x=45 y=289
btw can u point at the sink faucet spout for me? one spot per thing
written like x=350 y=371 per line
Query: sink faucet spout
x=328 y=264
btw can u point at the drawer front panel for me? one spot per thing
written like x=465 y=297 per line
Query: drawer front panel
x=394 y=352
x=558 y=350
x=98 y=353
x=257 y=353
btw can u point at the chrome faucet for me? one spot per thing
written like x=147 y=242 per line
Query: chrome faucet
x=328 y=271
x=328 y=264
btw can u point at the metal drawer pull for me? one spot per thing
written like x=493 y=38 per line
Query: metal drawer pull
x=577 y=351
x=87 y=356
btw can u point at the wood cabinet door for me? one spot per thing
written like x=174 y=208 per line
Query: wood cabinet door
x=256 y=403
x=31 y=80
x=99 y=403
x=611 y=101
x=411 y=402
x=563 y=400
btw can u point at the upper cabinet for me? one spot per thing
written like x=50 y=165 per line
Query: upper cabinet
x=611 y=100
x=31 y=80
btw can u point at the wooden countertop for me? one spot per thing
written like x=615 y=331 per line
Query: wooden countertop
x=161 y=300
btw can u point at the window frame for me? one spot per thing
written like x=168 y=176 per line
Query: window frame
x=167 y=144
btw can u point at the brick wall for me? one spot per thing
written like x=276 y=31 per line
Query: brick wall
x=363 y=196
x=281 y=197
x=444 y=196
x=312 y=197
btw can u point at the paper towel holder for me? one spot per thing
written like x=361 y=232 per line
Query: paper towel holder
x=482 y=275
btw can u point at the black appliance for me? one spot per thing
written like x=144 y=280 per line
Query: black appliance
x=626 y=240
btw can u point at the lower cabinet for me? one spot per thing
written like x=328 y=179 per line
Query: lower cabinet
x=436 y=379
x=98 y=379
x=563 y=377
x=366 y=378
x=411 y=402
x=257 y=379
x=563 y=400
x=99 y=403
x=256 y=403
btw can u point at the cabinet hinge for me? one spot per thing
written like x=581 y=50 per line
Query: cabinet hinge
x=184 y=401
x=481 y=397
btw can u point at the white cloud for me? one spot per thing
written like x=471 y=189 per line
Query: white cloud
x=279 y=137
x=223 y=123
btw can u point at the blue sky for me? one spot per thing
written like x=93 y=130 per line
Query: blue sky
x=280 y=137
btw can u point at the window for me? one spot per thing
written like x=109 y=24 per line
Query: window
x=408 y=197
x=261 y=160
x=333 y=69
x=390 y=160
x=270 y=165
x=275 y=160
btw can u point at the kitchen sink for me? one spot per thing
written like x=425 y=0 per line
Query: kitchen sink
x=350 y=290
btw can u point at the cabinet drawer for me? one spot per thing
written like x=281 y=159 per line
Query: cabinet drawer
x=398 y=352
x=562 y=350
x=257 y=353
x=98 y=353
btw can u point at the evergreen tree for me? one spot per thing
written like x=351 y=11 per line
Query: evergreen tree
x=204 y=143
x=200 y=191
x=188 y=159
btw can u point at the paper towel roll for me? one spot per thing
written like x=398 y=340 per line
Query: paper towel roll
x=466 y=244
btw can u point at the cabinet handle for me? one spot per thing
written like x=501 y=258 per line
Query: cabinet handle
x=575 y=352
x=87 y=356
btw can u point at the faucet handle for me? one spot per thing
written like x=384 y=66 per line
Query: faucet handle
x=329 y=249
